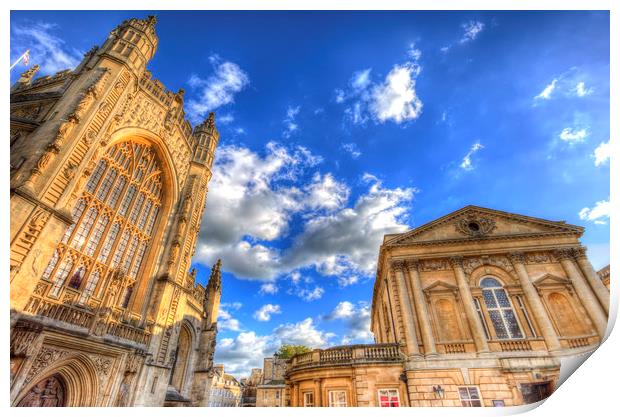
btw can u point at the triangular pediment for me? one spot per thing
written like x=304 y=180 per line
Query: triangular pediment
x=473 y=222
x=550 y=279
x=440 y=285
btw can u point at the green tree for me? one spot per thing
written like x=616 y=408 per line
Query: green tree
x=288 y=351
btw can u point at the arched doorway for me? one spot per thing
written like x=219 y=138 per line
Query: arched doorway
x=49 y=392
x=182 y=359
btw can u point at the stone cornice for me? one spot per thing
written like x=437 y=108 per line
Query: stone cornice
x=485 y=238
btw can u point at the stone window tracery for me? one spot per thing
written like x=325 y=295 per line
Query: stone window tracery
x=128 y=173
x=500 y=310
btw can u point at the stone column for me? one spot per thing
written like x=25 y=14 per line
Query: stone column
x=534 y=301
x=470 y=309
x=405 y=307
x=421 y=308
x=583 y=290
x=318 y=393
x=597 y=285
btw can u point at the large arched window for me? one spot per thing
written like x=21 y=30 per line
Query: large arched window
x=114 y=221
x=500 y=309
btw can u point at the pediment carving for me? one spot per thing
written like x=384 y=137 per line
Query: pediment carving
x=475 y=223
x=550 y=279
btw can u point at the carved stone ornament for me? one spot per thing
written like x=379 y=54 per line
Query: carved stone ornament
x=46 y=357
x=475 y=225
x=23 y=339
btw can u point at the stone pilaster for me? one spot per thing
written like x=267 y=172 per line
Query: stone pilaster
x=406 y=309
x=470 y=309
x=583 y=290
x=534 y=301
x=602 y=293
x=421 y=308
x=318 y=389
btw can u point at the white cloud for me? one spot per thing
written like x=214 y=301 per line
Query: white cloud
x=356 y=320
x=361 y=79
x=325 y=192
x=599 y=214
x=225 y=319
x=218 y=89
x=302 y=333
x=244 y=352
x=46 y=49
x=269 y=288
x=581 y=90
x=346 y=241
x=225 y=119
x=396 y=99
x=248 y=349
x=310 y=295
x=573 y=135
x=339 y=95
x=253 y=199
x=290 y=122
x=545 y=94
x=602 y=153
x=568 y=84
x=471 y=30
x=352 y=149
x=466 y=164
x=264 y=313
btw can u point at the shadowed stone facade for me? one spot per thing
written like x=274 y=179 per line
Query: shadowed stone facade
x=477 y=308
x=108 y=188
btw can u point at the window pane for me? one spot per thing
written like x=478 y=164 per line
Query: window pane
x=96 y=235
x=502 y=298
x=85 y=226
x=106 y=184
x=498 y=324
x=513 y=325
x=96 y=176
x=489 y=299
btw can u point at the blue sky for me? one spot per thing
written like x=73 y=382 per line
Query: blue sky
x=339 y=127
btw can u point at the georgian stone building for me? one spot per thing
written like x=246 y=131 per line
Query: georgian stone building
x=226 y=391
x=271 y=391
x=477 y=308
x=108 y=187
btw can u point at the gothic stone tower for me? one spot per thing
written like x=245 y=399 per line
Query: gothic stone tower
x=108 y=189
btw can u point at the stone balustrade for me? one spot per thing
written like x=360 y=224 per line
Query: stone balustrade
x=84 y=317
x=348 y=355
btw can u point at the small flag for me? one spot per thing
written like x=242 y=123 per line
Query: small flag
x=26 y=57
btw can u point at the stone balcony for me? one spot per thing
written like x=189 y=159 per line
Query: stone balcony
x=347 y=355
x=94 y=319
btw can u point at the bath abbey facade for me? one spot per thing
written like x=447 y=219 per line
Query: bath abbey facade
x=108 y=187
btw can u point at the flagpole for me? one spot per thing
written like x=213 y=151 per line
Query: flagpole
x=19 y=59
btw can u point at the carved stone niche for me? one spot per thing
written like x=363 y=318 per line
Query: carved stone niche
x=24 y=337
x=475 y=225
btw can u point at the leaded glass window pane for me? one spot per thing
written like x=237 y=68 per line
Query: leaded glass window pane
x=128 y=197
x=118 y=254
x=91 y=284
x=61 y=276
x=116 y=192
x=106 y=184
x=76 y=214
x=109 y=242
x=136 y=208
x=96 y=235
x=51 y=265
x=85 y=226
x=96 y=176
